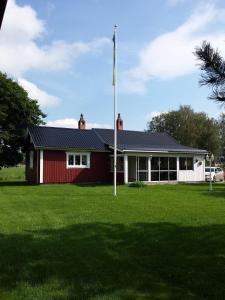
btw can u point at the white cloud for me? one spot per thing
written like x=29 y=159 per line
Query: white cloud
x=44 y=99
x=171 y=54
x=20 y=48
x=73 y=123
x=153 y=114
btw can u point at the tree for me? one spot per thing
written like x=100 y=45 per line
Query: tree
x=189 y=128
x=17 y=112
x=213 y=71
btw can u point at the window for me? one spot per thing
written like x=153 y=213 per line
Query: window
x=70 y=160
x=163 y=168
x=78 y=160
x=186 y=163
x=31 y=159
x=142 y=168
x=119 y=164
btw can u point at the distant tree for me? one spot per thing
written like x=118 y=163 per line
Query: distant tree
x=188 y=128
x=213 y=71
x=17 y=112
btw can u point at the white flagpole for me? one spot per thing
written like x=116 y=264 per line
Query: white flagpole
x=115 y=107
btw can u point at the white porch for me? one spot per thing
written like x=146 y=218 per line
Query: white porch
x=163 y=167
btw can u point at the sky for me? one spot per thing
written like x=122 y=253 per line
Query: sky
x=61 y=53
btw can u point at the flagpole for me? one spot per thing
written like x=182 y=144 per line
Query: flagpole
x=115 y=108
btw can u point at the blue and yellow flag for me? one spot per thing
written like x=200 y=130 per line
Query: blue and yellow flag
x=114 y=58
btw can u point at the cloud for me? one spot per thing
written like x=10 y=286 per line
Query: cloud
x=22 y=49
x=73 y=123
x=153 y=114
x=44 y=99
x=20 y=39
x=170 y=55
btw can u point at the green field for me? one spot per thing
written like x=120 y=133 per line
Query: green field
x=12 y=174
x=78 y=242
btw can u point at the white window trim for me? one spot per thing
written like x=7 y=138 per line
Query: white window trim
x=77 y=166
x=41 y=166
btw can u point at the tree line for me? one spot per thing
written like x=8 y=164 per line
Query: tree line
x=194 y=129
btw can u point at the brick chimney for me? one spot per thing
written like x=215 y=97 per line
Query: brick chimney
x=82 y=122
x=119 y=123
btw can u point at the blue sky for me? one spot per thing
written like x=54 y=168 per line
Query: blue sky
x=61 y=53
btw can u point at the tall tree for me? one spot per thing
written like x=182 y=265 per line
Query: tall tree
x=212 y=65
x=188 y=128
x=17 y=112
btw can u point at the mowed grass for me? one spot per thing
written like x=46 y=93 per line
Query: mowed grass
x=66 y=242
x=12 y=174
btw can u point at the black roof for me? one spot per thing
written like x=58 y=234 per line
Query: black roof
x=103 y=139
x=145 y=141
x=65 y=138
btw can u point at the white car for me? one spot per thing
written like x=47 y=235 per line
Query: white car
x=217 y=174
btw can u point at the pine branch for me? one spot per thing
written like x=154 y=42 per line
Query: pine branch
x=212 y=64
x=218 y=95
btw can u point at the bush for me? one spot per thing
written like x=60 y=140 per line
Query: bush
x=138 y=184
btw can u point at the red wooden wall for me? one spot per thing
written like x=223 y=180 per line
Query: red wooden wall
x=55 y=170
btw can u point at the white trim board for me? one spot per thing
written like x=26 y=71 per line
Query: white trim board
x=41 y=166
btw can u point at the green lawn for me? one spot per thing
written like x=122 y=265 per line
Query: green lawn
x=12 y=174
x=74 y=242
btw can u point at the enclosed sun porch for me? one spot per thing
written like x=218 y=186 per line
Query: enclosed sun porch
x=160 y=167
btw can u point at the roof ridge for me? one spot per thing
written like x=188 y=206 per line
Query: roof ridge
x=55 y=127
x=124 y=130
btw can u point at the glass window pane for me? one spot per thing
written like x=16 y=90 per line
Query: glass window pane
x=155 y=163
x=71 y=160
x=163 y=163
x=164 y=176
x=189 y=163
x=182 y=161
x=120 y=163
x=143 y=163
x=172 y=175
x=172 y=163
x=154 y=176
x=84 y=160
x=143 y=176
x=77 y=160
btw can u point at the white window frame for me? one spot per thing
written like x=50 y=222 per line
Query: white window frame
x=31 y=159
x=80 y=166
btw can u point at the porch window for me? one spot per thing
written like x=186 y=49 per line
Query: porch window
x=142 y=168
x=78 y=160
x=163 y=168
x=120 y=163
x=186 y=163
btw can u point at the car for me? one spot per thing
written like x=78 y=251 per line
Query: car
x=217 y=174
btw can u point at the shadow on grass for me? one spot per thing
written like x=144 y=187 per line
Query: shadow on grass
x=147 y=261
x=13 y=183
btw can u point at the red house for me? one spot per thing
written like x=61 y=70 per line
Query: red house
x=64 y=155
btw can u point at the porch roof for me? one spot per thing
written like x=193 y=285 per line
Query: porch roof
x=138 y=141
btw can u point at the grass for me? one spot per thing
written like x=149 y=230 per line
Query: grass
x=67 y=242
x=12 y=174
